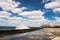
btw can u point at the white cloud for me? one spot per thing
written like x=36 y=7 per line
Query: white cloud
x=37 y=19
x=35 y=15
x=35 y=12
x=14 y=20
x=16 y=10
x=36 y=23
x=9 y=0
x=57 y=10
x=4 y=14
x=52 y=5
x=23 y=8
x=45 y=1
x=22 y=26
x=11 y=6
x=57 y=19
x=57 y=0
x=5 y=23
x=55 y=5
x=11 y=21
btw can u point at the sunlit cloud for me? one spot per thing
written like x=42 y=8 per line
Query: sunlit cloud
x=57 y=19
x=35 y=17
x=55 y=5
x=4 y=14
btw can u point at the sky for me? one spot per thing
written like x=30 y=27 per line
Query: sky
x=32 y=13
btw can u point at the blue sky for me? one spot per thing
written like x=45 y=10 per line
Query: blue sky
x=32 y=12
x=37 y=5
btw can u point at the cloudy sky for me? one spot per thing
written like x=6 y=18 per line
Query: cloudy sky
x=31 y=13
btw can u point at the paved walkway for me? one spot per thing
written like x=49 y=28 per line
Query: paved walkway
x=35 y=35
x=42 y=34
x=56 y=38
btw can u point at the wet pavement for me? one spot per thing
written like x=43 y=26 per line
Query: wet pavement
x=34 y=35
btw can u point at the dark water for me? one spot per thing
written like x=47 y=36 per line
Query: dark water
x=35 y=35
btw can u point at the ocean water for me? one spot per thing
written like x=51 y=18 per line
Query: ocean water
x=7 y=28
x=35 y=35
